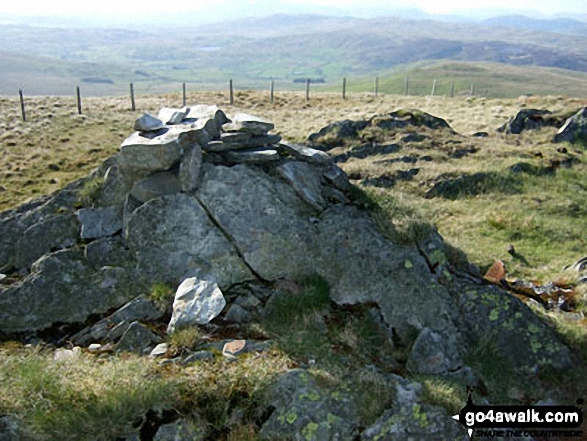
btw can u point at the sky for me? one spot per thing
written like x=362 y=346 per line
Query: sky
x=68 y=8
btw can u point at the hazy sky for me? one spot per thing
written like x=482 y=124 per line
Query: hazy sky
x=140 y=7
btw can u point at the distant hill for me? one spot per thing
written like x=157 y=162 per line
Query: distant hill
x=559 y=25
x=252 y=51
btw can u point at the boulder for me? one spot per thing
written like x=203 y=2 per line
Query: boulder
x=433 y=353
x=157 y=185
x=574 y=129
x=139 y=309
x=108 y=251
x=173 y=237
x=148 y=123
x=526 y=119
x=138 y=338
x=304 y=411
x=52 y=233
x=63 y=287
x=238 y=314
x=99 y=222
x=197 y=302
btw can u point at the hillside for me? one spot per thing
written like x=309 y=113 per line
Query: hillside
x=324 y=308
x=253 y=51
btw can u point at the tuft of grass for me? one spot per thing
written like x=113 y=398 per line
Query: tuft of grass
x=90 y=192
x=162 y=295
x=80 y=399
x=444 y=392
x=185 y=339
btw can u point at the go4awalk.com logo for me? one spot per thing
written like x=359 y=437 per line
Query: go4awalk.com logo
x=518 y=421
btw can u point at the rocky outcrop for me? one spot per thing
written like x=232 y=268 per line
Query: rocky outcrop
x=198 y=199
x=574 y=128
x=533 y=119
x=342 y=133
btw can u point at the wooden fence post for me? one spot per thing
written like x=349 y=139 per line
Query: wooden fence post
x=231 y=92
x=79 y=100
x=271 y=89
x=344 y=88
x=184 y=97
x=452 y=89
x=406 y=86
x=472 y=90
x=307 y=89
x=132 y=97
x=22 y=105
x=376 y=85
x=433 y=88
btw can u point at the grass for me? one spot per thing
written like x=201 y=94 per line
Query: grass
x=162 y=295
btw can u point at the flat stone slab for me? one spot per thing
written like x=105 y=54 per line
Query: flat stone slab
x=242 y=122
x=306 y=154
x=99 y=222
x=252 y=156
x=234 y=348
x=252 y=142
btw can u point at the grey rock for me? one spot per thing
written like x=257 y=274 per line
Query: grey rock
x=9 y=429
x=197 y=302
x=242 y=122
x=237 y=314
x=337 y=177
x=160 y=350
x=115 y=188
x=526 y=119
x=252 y=156
x=108 y=251
x=181 y=430
x=190 y=169
x=173 y=238
x=63 y=287
x=304 y=153
x=433 y=353
x=415 y=421
x=156 y=185
x=178 y=116
x=139 y=309
x=248 y=301
x=55 y=232
x=235 y=137
x=148 y=123
x=2 y=277
x=99 y=222
x=304 y=411
x=140 y=156
x=574 y=129
x=306 y=183
x=138 y=338
x=251 y=143
x=198 y=356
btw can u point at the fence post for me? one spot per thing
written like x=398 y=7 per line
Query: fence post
x=376 y=85
x=271 y=89
x=307 y=89
x=231 y=92
x=79 y=100
x=132 y=97
x=344 y=88
x=472 y=89
x=452 y=89
x=406 y=86
x=22 y=105
x=184 y=97
x=433 y=88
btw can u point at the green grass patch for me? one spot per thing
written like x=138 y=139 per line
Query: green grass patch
x=90 y=191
